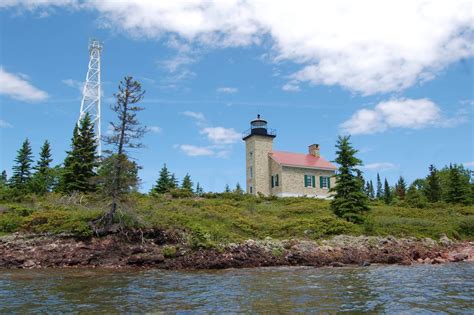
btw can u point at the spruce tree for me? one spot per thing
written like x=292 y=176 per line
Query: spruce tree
x=199 y=189
x=433 y=186
x=81 y=160
x=371 y=190
x=387 y=194
x=163 y=183
x=379 y=194
x=349 y=202
x=174 y=182
x=125 y=134
x=4 y=177
x=227 y=188
x=43 y=180
x=22 y=168
x=400 y=188
x=187 y=184
x=238 y=190
x=414 y=197
x=458 y=190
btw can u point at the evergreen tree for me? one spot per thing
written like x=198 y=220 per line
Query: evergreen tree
x=4 y=178
x=387 y=194
x=433 y=186
x=379 y=188
x=126 y=132
x=238 y=190
x=129 y=180
x=227 y=188
x=174 y=183
x=22 y=168
x=81 y=160
x=400 y=188
x=187 y=184
x=458 y=188
x=371 y=190
x=42 y=180
x=415 y=198
x=164 y=182
x=349 y=202
x=199 y=190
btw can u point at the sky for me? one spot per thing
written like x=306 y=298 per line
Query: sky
x=395 y=75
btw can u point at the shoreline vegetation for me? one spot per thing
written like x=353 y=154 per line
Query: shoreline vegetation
x=86 y=211
x=226 y=230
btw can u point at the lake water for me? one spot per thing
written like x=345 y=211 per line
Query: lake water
x=378 y=289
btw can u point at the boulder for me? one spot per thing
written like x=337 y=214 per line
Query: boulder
x=445 y=241
x=460 y=257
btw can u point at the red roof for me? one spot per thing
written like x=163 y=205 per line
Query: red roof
x=301 y=160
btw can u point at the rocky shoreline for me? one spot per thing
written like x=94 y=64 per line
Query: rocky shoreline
x=164 y=250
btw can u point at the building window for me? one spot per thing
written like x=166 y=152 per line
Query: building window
x=309 y=181
x=275 y=181
x=251 y=190
x=251 y=171
x=324 y=182
x=251 y=154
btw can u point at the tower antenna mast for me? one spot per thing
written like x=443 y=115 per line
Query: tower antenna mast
x=91 y=92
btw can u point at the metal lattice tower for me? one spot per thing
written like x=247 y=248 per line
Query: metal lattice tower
x=91 y=92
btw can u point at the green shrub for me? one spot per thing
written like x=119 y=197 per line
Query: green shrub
x=466 y=226
x=169 y=251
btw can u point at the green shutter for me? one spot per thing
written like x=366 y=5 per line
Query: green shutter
x=313 y=181
x=329 y=182
x=320 y=182
x=273 y=184
x=276 y=180
x=306 y=181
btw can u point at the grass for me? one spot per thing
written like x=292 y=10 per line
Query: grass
x=227 y=218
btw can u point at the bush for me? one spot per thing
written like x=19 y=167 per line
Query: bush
x=169 y=251
x=466 y=226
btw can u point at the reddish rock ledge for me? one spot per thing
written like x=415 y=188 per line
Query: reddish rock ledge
x=166 y=250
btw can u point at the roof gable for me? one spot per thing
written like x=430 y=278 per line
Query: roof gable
x=301 y=160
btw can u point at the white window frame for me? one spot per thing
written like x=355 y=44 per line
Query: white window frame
x=324 y=182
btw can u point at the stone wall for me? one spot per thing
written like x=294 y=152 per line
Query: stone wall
x=275 y=169
x=292 y=182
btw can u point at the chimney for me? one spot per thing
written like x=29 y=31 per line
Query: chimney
x=314 y=150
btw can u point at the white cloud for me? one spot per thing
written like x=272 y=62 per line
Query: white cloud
x=367 y=46
x=74 y=84
x=15 y=86
x=379 y=166
x=154 y=129
x=397 y=113
x=195 y=115
x=227 y=90
x=193 y=150
x=5 y=124
x=291 y=87
x=221 y=135
x=469 y=164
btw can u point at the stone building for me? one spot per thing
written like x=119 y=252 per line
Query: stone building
x=284 y=174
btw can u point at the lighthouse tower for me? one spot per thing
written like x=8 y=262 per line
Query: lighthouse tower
x=258 y=144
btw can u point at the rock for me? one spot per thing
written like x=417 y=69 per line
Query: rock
x=419 y=260
x=28 y=264
x=427 y=260
x=337 y=264
x=445 y=241
x=393 y=259
x=145 y=260
x=438 y=260
x=365 y=264
x=460 y=257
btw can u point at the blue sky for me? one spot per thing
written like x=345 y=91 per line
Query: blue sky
x=403 y=90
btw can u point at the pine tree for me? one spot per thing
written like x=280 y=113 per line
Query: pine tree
x=371 y=191
x=458 y=187
x=129 y=180
x=433 y=185
x=387 y=194
x=367 y=189
x=22 y=170
x=349 y=202
x=81 y=160
x=199 y=190
x=380 y=193
x=227 y=188
x=42 y=180
x=187 y=184
x=400 y=188
x=238 y=190
x=163 y=183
